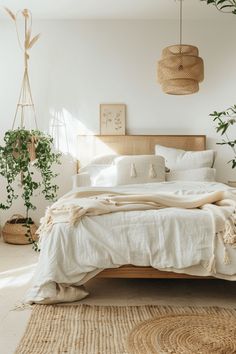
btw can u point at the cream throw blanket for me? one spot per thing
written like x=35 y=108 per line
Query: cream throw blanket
x=74 y=205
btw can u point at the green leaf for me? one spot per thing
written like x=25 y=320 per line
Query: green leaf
x=222 y=127
x=218 y=2
x=225 y=6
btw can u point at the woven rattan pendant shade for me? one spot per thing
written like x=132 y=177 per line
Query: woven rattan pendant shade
x=180 y=69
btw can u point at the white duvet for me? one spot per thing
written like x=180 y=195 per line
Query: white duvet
x=179 y=240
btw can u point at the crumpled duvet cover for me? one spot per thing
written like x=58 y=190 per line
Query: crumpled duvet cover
x=176 y=239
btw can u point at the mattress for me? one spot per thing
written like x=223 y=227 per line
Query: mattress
x=170 y=239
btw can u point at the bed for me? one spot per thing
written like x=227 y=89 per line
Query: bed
x=73 y=253
x=89 y=146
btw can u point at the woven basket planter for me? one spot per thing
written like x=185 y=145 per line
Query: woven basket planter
x=30 y=147
x=14 y=231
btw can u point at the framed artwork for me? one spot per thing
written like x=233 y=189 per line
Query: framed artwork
x=112 y=119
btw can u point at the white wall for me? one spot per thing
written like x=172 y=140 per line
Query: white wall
x=79 y=64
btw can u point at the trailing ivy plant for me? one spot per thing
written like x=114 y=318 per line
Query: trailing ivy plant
x=224 y=120
x=15 y=163
x=223 y=5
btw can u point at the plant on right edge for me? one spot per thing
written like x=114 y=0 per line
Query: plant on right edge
x=226 y=118
x=228 y=6
x=224 y=121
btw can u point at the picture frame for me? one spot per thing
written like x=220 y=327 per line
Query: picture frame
x=112 y=118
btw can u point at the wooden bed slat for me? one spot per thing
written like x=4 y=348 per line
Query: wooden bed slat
x=129 y=271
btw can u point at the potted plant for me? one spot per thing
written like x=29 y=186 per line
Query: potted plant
x=224 y=120
x=25 y=153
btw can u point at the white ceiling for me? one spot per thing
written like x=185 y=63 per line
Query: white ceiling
x=115 y=9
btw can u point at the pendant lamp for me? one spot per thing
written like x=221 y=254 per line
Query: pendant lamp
x=180 y=69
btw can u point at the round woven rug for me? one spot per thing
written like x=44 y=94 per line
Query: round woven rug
x=188 y=334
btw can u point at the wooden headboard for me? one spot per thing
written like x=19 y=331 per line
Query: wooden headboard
x=92 y=145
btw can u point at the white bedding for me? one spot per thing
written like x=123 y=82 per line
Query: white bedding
x=167 y=239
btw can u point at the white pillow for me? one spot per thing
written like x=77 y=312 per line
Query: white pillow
x=204 y=174
x=94 y=169
x=177 y=159
x=97 y=164
x=103 y=159
x=132 y=169
x=106 y=177
x=81 y=180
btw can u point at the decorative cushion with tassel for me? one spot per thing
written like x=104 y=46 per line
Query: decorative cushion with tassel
x=133 y=169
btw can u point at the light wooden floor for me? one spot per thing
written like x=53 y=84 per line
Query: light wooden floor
x=17 y=264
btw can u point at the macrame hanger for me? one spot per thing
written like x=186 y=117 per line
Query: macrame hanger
x=25 y=98
x=180 y=33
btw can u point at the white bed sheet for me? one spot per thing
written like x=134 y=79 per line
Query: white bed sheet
x=168 y=239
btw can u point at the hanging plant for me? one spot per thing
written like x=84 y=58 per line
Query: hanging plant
x=17 y=165
x=26 y=154
x=228 y=6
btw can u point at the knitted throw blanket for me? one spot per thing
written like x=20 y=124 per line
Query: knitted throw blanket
x=73 y=206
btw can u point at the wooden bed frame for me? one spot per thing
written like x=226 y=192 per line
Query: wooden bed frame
x=92 y=145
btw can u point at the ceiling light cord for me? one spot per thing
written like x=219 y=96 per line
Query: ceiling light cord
x=180 y=24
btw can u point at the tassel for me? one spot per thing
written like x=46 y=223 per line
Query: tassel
x=152 y=172
x=133 y=172
x=226 y=254
x=226 y=257
x=230 y=231
x=21 y=307
x=211 y=267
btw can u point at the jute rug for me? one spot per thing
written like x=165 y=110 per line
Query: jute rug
x=84 y=329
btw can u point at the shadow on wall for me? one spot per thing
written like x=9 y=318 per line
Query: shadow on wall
x=65 y=128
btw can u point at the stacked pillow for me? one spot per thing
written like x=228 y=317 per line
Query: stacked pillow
x=111 y=170
x=204 y=174
x=188 y=165
x=131 y=169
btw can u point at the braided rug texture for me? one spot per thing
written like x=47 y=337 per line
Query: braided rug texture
x=85 y=329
